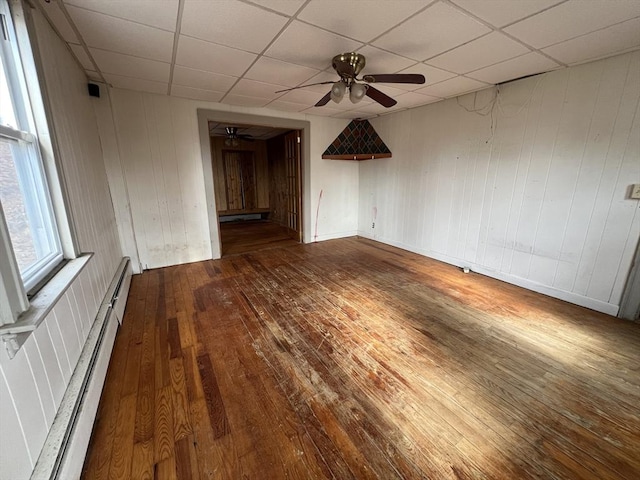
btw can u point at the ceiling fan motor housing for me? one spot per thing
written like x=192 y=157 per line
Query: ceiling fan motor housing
x=348 y=65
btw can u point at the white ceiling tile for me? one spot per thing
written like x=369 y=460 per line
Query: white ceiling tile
x=303 y=96
x=433 y=31
x=123 y=36
x=573 y=18
x=389 y=89
x=479 y=53
x=59 y=20
x=139 y=84
x=189 y=77
x=601 y=43
x=288 y=7
x=287 y=106
x=453 y=87
x=195 y=93
x=304 y=44
x=503 y=12
x=377 y=108
x=413 y=99
x=322 y=77
x=244 y=101
x=160 y=14
x=232 y=23
x=82 y=56
x=528 y=64
x=379 y=61
x=353 y=114
x=431 y=75
x=276 y=71
x=372 y=17
x=128 y=66
x=251 y=88
x=201 y=55
x=92 y=75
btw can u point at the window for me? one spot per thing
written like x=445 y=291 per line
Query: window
x=24 y=194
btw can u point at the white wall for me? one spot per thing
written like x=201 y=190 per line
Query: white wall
x=539 y=200
x=32 y=384
x=159 y=150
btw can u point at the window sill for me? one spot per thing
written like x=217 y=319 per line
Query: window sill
x=15 y=334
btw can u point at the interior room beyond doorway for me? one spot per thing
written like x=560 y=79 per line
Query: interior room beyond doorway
x=257 y=178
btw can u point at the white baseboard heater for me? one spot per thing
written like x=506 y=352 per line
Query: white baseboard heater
x=63 y=454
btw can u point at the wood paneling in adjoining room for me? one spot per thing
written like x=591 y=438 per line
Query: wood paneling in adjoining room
x=240 y=176
x=353 y=359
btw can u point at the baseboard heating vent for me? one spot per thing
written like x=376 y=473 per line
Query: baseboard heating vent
x=64 y=451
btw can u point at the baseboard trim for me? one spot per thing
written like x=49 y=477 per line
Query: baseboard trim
x=62 y=456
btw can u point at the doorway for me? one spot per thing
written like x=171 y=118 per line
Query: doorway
x=257 y=177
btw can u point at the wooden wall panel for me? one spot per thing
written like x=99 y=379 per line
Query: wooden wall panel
x=534 y=194
x=277 y=180
x=229 y=169
x=33 y=382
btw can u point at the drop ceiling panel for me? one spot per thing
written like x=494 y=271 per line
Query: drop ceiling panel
x=196 y=93
x=310 y=46
x=431 y=32
x=217 y=22
x=147 y=12
x=363 y=20
x=351 y=115
x=122 y=36
x=244 y=101
x=59 y=20
x=327 y=76
x=119 y=64
x=571 y=19
x=413 y=99
x=288 y=7
x=452 y=87
x=503 y=12
x=130 y=83
x=431 y=75
x=82 y=56
x=201 y=55
x=528 y=64
x=484 y=51
x=601 y=43
x=304 y=95
x=271 y=70
x=189 y=77
x=379 y=61
x=251 y=88
x=287 y=106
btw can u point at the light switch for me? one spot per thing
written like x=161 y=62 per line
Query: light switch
x=635 y=191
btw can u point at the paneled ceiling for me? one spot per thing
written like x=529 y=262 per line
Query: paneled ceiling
x=241 y=52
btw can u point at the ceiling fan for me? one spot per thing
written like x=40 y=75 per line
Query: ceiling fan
x=233 y=137
x=348 y=66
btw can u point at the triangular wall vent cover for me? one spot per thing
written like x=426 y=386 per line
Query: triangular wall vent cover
x=358 y=141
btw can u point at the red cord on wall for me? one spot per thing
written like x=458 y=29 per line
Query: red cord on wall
x=315 y=237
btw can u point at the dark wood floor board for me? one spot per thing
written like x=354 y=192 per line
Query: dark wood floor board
x=250 y=236
x=353 y=359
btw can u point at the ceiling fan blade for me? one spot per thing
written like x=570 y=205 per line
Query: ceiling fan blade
x=380 y=97
x=248 y=138
x=395 y=78
x=324 y=100
x=302 y=86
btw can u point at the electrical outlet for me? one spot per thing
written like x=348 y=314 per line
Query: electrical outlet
x=635 y=191
x=373 y=225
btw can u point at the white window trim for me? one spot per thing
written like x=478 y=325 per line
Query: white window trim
x=19 y=315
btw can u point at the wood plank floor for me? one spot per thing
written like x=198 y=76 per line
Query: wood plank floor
x=251 y=236
x=351 y=359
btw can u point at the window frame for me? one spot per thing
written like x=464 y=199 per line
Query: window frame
x=18 y=311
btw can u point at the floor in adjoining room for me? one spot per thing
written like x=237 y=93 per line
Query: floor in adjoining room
x=352 y=359
x=252 y=235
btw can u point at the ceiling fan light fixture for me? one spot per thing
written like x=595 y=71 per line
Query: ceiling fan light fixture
x=338 y=90
x=357 y=91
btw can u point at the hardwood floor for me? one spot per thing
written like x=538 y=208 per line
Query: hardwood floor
x=251 y=236
x=351 y=359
